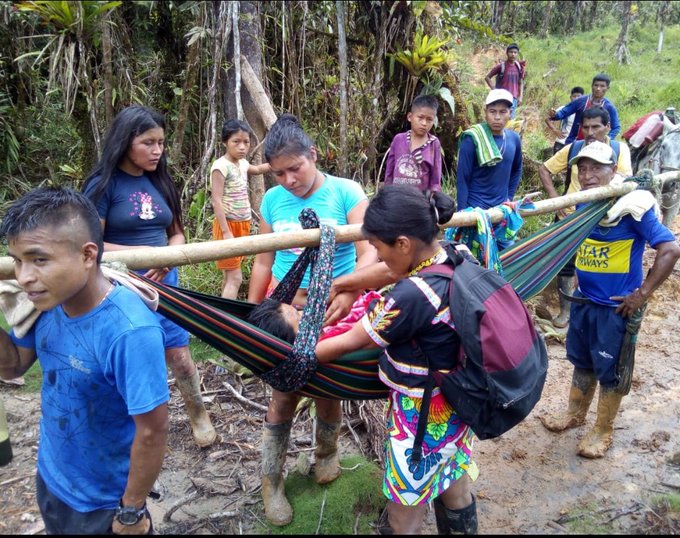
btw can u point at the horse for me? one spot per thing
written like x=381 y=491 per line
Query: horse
x=664 y=156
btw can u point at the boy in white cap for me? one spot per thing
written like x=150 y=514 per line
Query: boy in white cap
x=489 y=158
x=610 y=300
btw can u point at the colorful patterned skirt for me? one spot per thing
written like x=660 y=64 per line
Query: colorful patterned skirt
x=447 y=448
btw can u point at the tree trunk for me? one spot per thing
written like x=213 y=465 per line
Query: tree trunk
x=578 y=9
x=546 y=19
x=591 y=18
x=236 y=42
x=108 y=68
x=381 y=17
x=190 y=79
x=342 y=56
x=452 y=124
x=83 y=124
x=512 y=12
x=261 y=102
x=498 y=6
x=621 y=47
x=221 y=30
x=251 y=36
x=664 y=10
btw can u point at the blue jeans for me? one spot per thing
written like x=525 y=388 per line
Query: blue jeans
x=514 y=108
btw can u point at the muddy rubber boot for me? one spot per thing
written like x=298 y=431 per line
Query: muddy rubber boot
x=327 y=460
x=277 y=509
x=599 y=439
x=581 y=392
x=566 y=284
x=190 y=389
x=462 y=521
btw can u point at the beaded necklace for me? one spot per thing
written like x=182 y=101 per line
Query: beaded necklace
x=430 y=261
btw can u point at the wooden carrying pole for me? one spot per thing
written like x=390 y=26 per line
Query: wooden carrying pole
x=243 y=246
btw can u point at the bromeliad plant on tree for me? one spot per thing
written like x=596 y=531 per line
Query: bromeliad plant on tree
x=427 y=55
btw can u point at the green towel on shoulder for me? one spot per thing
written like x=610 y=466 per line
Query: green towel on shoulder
x=487 y=150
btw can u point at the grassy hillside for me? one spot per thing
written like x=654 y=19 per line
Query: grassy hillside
x=648 y=83
x=556 y=64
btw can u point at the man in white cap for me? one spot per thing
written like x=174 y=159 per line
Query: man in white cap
x=610 y=299
x=490 y=159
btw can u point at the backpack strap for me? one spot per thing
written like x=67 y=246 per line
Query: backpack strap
x=444 y=270
x=575 y=147
x=417 y=453
x=501 y=73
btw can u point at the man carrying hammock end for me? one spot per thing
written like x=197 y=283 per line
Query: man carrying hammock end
x=609 y=301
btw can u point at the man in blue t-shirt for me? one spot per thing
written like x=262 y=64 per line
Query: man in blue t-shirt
x=596 y=98
x=103 y=429
x=610 y=299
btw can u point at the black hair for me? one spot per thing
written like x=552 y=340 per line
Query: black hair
x=231 y=127
x=268 y=317
x=595 y=112
x=577 y=89
x=52 y=207
x=425 y=101
x=602 y=77
x=512 y=46
x=129 y=123
x=405 y=210
x=287 y=137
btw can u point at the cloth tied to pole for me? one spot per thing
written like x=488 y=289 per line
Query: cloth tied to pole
x=624 y=369
x=300 y=364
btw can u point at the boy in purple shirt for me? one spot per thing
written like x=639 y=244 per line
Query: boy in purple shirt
x=415 y=157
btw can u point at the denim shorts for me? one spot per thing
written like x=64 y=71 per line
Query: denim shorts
x=594 y=340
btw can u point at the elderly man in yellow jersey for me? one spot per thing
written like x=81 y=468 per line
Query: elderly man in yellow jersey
x=595 y=125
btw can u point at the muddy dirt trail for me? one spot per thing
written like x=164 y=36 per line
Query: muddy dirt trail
x=531 y=480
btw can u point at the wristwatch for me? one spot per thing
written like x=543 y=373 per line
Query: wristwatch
x=129 y=515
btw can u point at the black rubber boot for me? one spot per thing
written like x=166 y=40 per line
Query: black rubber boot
x=383 y=524
x=462 y=521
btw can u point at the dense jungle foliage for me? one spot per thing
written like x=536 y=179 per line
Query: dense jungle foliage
x=67 y=67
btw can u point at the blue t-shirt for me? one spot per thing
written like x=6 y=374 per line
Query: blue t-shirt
x=134 y=210
x=332 y=202
x=609 y=262
x=577 y=106
x=488 y=186
x=98 y=369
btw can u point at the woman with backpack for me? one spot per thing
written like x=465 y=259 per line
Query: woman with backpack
x=402 y=223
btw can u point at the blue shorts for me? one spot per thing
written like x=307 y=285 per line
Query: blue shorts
x=175 y=336
x=594 y=340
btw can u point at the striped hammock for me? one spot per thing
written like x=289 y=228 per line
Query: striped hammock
x=529 y=266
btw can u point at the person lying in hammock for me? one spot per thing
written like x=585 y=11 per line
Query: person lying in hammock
x=283 y=320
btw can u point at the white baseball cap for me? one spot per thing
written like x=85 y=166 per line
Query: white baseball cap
x=597 y=151
x=499 y=95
